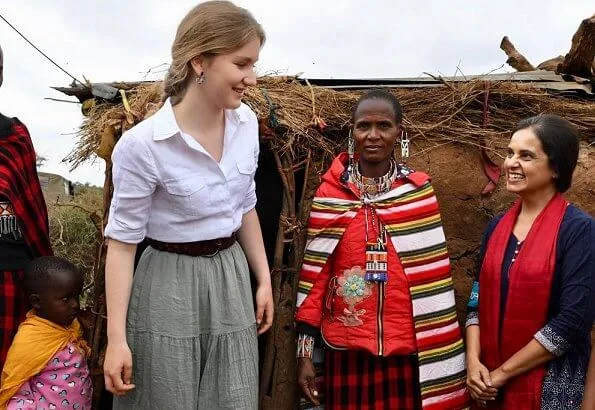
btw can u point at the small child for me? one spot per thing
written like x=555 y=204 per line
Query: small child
x=46 y=366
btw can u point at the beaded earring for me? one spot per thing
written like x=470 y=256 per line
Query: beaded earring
x=404 y=145
x=351 y=162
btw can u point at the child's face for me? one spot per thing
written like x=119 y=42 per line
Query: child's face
x=59 y=302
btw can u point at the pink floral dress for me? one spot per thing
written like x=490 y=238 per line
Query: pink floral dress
x=63 y=384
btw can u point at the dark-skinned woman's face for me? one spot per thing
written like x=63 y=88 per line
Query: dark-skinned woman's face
x=375 y=130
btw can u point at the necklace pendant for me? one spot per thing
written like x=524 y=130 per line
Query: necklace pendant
x=376 y=262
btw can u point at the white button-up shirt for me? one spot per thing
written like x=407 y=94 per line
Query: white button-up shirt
x=167 y=187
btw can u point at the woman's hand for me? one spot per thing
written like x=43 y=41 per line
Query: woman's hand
x=117 y=368
x=306 y=379
x=264 y=307
x=250 y=239
x=479 y=382
x=498 y=377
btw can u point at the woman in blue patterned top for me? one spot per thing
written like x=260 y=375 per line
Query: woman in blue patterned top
x=534 y=292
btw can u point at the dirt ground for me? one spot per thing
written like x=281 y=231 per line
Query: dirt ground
x=458 y=180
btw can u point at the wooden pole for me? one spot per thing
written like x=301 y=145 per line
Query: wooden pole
x=99 y=309
x=580 y=59
x=278 y=371
x=278 y=379
x=551 y=64
x=515 y=59
x=266 y=388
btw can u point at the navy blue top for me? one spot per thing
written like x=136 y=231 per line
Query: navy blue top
x=572 y=306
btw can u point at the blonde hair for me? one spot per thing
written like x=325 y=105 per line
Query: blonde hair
x=209 y=29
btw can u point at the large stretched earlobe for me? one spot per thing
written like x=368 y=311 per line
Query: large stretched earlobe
x=35 y=301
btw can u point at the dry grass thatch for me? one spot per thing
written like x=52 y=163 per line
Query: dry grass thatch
x=299 y=118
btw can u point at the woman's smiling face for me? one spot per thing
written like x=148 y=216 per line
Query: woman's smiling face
x=526 y=165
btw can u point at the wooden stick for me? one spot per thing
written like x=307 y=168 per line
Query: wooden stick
x=580 y=60
x=95 y=218
x=287 y=190
x=308 y=160
x=278 y=376
x=99 y=330
x=270 y=352
x=515 y=59
x=551 y=64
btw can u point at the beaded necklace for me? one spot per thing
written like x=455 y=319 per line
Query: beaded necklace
x=376 y=253
x=372 y=187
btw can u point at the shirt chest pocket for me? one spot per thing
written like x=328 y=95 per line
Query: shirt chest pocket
x=187 y=194
x=242 y=176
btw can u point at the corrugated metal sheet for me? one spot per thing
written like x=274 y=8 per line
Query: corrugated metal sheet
x=547 y=80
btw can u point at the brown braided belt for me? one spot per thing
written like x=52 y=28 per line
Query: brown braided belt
x=207 y=248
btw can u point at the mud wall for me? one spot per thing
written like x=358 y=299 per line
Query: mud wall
x=458 y=180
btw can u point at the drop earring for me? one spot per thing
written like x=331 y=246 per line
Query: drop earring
x=200 y=79
x=404 y=145
x=350 y=163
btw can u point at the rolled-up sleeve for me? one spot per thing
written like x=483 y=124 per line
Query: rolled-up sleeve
x=134 y=176
x=250 y=200
x=575 y=314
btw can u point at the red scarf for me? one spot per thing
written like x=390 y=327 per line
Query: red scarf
x=530 y=282
x=19 y=183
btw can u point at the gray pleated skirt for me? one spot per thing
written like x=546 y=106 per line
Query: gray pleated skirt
x=192 y=331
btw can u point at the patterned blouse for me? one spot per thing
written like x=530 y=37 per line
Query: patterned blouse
x=63 y=384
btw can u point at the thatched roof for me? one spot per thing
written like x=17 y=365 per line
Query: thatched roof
x=301 y=115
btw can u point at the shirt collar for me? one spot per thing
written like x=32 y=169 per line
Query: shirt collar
x=165 y=125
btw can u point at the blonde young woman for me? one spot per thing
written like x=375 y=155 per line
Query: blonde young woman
x=183 y=333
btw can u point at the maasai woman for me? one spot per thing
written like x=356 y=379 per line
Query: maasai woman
x=376 y=281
